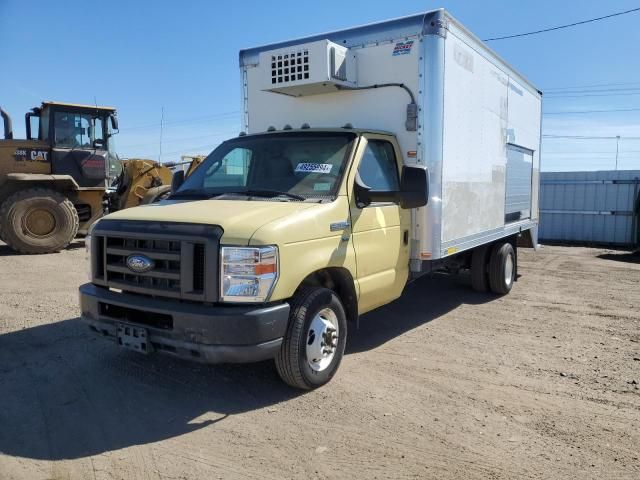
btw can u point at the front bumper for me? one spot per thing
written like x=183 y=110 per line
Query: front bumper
x=203 y=333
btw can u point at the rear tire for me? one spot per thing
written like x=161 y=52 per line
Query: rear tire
x=479 y=275
x=38 y=220
x=502 y=268
x=315 y=340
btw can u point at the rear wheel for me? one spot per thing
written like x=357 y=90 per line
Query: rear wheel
x=38 y=220
x=502 y=268
x=314 y=343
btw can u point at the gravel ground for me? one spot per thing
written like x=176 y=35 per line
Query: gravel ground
x=444 y=383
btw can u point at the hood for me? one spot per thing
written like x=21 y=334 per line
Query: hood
x=238 y=218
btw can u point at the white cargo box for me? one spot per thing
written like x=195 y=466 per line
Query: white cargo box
x=478 y=120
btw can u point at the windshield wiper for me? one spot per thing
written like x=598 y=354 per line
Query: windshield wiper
x=268 y=193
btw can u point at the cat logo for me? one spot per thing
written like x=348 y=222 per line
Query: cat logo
x=39 y=156
x=24 y=155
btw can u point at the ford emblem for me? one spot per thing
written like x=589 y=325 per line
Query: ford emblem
x=139 y=263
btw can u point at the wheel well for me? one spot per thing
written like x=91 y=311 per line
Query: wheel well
x=9 y=188
x=341 y=282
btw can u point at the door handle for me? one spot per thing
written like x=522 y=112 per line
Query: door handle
x=405 y=237
x=337 y=226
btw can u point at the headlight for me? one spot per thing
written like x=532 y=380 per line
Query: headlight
x=248 y=274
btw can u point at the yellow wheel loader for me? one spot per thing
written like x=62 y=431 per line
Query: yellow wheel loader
x=140 y=182
x=55 y=183
x=146 y=181
x=52 y=183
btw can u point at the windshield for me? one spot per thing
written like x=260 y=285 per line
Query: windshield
x=78 y=130
x=296 y=165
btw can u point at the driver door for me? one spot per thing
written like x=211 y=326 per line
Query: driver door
x=381 y=229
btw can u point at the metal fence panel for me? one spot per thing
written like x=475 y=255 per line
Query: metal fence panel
x=593 y=207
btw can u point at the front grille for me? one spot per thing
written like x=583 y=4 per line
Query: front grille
x=164 y=277
x=199 y=267
x=184 y=258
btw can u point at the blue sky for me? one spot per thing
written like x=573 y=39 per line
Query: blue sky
x=145 y=55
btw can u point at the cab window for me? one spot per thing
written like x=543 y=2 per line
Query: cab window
x=75 y=130
x=231 y=171
x=379 y=168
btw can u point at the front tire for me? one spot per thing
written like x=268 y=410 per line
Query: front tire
x=38 y=220
x=502 y=268
x=315 y=340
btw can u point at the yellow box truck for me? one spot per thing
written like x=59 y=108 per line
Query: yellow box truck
x=370 y=156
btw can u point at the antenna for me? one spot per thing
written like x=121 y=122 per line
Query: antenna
x=161 y=125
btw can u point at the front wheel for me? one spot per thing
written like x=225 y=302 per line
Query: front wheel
x=315 y=340
x=38 y=220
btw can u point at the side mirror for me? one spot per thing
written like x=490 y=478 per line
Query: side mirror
x=114 y=122
x=414 y=190
x=414 y=187
x=177 y=180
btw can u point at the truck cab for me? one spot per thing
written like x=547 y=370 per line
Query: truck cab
x=270 y=225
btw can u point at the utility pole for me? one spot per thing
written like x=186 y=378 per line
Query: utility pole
x=161 y=125
x=617 y=149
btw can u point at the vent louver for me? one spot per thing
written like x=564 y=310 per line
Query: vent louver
x=308 y=69
x=290 y=67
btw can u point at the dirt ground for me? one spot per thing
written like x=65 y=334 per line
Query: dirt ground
x=445 y=383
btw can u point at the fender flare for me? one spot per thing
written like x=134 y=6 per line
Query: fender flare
x=66 y=181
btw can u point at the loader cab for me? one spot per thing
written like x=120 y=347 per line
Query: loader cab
x=79 y=137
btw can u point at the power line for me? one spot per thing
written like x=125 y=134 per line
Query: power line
x=595 y=85
x=563 y=26
x=592 y=90
x=181 y=139
x=579 y=137
x=199 y=119
x=593 y=95
x=599 y=152
x=192 y=149
x=588 y=137
x=593 y=111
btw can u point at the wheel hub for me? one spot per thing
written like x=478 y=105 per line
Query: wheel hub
x=508 y=270
x=39 y=222
x=322 y=339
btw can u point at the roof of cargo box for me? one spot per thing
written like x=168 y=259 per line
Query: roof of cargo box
x=354 y=130
x=384 y=31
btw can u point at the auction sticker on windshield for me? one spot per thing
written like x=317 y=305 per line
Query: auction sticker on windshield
x=314 y=168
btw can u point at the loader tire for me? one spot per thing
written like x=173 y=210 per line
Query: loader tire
x=479 y=275
x=502 y=268
x=314 y=343
x=38 y=220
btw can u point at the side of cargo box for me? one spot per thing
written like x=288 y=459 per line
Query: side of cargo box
x=481 y=125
